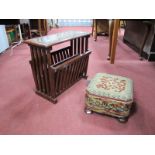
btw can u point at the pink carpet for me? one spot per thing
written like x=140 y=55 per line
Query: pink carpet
x=24 y=112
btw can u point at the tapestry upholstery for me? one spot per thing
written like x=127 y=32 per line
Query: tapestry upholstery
x=110 y=94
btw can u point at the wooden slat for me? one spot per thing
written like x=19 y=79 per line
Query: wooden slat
x=48 y=53
x=75 y=46
x=61 y=50
x=72 y=47
x=65 y=52
x=68 y=51
x=79 y=44
x=82 y=45
x=64 y=77
x=63 y=74
x=37 y=68
x=45 y=71
x=81 y=66
x=75 y=71
x=40 y=69
x=61 y=81
x=34 y=62
x=69 y=74
x=68 y=54
x=51 y=74
x=57 y=79
x=33 y=66
x=86 y=43
x=72 y=70
x=53 y=59
x=86 y=66
x=77 y=74
x=62 y=57
x=58 y=57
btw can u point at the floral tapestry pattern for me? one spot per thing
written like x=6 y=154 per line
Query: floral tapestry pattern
x=110 y=94
x=112 y=83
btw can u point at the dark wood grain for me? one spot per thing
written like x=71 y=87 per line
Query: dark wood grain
x=56 y=71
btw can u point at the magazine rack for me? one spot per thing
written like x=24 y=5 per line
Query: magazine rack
x=55 y=71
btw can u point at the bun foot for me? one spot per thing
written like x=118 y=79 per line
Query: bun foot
x=108 y=58
x=122 y=120
x=88 y=111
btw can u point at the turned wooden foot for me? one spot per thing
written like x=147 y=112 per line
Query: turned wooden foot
x=123 y=120
x=88 y=111
x=54 y=101
x=108 y=58
x=84 y=76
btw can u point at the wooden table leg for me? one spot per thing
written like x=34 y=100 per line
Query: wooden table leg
x=111 y=27
x=95 y=29
x=144 y=40
x=114 y=40
x=39 y=27
x=92 y=31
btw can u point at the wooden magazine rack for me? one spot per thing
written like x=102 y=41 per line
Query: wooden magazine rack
x=55 y=71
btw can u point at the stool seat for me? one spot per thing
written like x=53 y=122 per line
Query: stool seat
x=110 y=94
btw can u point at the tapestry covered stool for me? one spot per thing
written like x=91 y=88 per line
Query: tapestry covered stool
x=111 y=95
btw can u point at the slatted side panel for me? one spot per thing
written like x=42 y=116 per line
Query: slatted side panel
x=74 y=46
x=85 y=66
x=40 y=69
x=86 y=44
x=61 y=55
x=34 y=68
x=82 y=45
x=79 y=45
x=35 y=62
x=45 y=70
x=71 y=73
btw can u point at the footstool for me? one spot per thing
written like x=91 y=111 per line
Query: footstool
x=111 y=95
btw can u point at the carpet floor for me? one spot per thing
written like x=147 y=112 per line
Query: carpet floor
x=24 y=112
